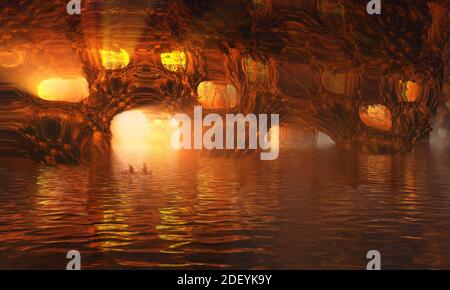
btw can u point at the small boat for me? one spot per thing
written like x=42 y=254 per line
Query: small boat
x=145 y=170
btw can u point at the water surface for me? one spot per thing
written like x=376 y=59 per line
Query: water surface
x=315 y=208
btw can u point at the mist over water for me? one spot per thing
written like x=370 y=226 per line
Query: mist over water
x=318 y=207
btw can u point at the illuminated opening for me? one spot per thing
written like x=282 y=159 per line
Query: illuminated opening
x=212 y=95
x=138 y=135
x=256 y=72
x=131 y=136
x=66 y=90
x=376 y=116
x=174 y=61
x=112 y=60
x=409 y=91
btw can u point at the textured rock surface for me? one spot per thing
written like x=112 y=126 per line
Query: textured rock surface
x=315 y=64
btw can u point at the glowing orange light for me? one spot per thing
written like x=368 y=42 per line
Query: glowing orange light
x=409 y=91
x=257 y=72
x=115 y=60
x=376 y=116
x=214 y=96
x=60 y=89
x=174 y=61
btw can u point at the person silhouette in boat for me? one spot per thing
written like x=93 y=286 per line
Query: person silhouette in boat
x=145 y=169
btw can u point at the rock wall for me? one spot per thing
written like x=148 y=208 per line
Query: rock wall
x=323 y=65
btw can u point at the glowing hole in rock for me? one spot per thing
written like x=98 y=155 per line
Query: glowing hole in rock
x=131 y=133
x=376 y=116
x=174 y=61
x=112 y=60
x=256 y=72
x=138 y=135
x=409 y=91
x=64 y=89
x=217 y=96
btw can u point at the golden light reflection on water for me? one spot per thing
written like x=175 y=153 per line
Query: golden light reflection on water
x=174 y=228
x=195 y=212
x=114 y=226
x=377 y=168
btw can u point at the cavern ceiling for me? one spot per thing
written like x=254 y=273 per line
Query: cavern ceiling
x=371 y=82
